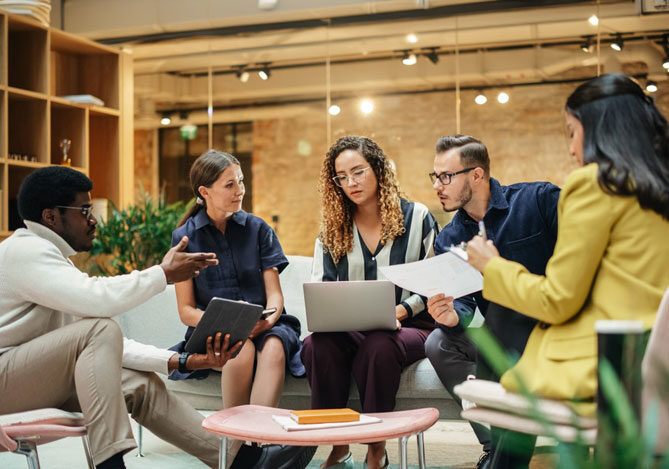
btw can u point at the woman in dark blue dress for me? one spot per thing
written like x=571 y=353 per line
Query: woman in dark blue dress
x=250 y=259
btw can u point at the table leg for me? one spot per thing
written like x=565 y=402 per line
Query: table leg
x=421 y=450
x=403 y=452
x=223 y=453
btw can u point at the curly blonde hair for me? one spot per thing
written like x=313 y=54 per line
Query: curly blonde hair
x=336 y=208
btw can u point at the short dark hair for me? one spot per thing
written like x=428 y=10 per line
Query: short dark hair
x=48 y=187
x=628 y=138
x=473 y=153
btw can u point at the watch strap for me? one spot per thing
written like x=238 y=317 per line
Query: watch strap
x=182 y=362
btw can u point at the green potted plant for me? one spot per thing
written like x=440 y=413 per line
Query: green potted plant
x=136 y=237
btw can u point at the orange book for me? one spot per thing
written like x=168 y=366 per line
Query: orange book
x=324 y=415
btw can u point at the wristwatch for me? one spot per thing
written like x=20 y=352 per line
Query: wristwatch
x=182 y=362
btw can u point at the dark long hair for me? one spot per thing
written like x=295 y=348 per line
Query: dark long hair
x=627 y=136
x=204 y=172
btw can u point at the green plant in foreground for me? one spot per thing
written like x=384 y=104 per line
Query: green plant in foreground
x=136 y=237
x=623 y=441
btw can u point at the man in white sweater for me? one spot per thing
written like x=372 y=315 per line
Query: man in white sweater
x=58 y=345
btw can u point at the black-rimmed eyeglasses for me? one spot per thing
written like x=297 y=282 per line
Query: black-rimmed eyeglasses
x=445 y=178
x=86 y=210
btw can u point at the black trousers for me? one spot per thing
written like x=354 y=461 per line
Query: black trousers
x=454 y=357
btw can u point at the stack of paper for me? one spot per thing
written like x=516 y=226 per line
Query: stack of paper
x=291 y=425
x=37 y=9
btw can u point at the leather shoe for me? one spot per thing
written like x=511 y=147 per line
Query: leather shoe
x=485 y=461
x=285 y=457
x=246 y=457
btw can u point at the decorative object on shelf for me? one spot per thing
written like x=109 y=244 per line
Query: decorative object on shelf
x=36 y=9
x=84 y=98
x=20 y=157
x=65 y=145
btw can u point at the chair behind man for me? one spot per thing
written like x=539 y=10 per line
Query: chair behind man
x=21 y=432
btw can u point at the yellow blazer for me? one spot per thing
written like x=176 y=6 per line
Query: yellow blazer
x=611 y=261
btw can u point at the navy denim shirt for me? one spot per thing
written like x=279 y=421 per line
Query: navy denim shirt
x=522 y=222
x=248 y=247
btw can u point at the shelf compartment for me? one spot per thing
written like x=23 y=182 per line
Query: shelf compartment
x=3 y=128
x=27 y=55
x=3 y=203
x=27 y=127
x=68 y=122
x=3 y=50
x=104 y=157
x=79 y=66
x=16 y=176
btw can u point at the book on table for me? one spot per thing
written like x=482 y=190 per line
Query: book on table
x=324 y=416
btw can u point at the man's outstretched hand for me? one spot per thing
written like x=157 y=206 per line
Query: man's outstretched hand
x=180 y=266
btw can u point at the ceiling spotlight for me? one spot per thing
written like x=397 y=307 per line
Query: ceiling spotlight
x=264 y=73
x=334 y=110
x=480 y=98
x=665 y=63
x=409 y=58
x=586 y=46
x=165 y=120
x=593 y=20
x=432 y=55
x=366 y=106
x=502 y=98
x=617 y=44
x=665 y=46
x=412 y=38
x=651 y=86
x=243 y=75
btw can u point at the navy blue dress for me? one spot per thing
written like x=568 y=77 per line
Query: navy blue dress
x=248 y=247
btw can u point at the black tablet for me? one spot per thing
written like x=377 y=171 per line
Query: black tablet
x=226 y=316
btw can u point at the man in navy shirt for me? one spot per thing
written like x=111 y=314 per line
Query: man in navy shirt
x=521 y=219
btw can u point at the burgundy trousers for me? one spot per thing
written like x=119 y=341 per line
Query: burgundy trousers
x=374 y=358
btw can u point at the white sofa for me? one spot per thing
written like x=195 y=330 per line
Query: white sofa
x=157 y=322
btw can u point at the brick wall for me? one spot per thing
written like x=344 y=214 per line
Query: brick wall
x=525 y=138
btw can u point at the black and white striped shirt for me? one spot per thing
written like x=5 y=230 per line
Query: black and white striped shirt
x=416 y=243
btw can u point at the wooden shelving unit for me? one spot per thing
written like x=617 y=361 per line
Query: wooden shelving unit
x=38 y=66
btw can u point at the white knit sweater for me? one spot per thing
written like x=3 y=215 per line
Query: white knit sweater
x=41 y=290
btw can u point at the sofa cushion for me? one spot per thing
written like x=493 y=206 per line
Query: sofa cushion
x=157 y=322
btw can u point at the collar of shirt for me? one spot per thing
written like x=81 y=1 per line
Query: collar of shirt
x=50 y=235
x=202 y=219
x=497 y=202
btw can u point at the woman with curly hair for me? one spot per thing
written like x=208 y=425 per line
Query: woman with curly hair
x=366 y=224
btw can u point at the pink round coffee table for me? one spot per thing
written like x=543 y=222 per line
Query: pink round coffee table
x=255 y=423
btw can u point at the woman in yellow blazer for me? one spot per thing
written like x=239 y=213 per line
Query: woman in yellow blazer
x=611 y=259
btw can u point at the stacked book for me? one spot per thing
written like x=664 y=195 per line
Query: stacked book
x=317 y=419
x=36 y=9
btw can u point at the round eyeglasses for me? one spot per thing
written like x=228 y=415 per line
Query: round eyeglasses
x=445 y=178
x=356 y=177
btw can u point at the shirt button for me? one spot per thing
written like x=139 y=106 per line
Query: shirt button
x=544 y=325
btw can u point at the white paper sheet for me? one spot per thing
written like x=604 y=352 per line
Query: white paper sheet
x=291 y=425
x=446 y=273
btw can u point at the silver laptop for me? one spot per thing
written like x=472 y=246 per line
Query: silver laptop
x=350 y=306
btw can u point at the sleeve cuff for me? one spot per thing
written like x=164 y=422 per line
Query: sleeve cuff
x=408 y=308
